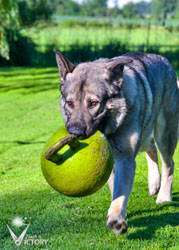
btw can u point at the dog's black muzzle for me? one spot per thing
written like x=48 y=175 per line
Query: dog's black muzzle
x=76 y=130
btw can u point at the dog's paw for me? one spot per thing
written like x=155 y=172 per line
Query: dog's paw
x=117 y=224
x=162 y=197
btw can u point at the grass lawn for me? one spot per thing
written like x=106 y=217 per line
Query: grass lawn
x=64 y=36
x=29 y=114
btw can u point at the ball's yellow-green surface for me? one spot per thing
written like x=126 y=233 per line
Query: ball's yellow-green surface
x=82 y=171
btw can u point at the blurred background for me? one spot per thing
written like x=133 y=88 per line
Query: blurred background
x=86 y=29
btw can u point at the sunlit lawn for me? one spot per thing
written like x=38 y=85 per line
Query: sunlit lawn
x=101 y=36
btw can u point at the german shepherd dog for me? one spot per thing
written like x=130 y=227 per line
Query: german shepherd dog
x=133 y=99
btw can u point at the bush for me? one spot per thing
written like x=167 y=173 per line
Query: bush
x=29 y=14
x=84 y=23
x=21 y=50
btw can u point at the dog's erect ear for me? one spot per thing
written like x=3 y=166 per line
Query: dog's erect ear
x=64 y=65
x=116 y=70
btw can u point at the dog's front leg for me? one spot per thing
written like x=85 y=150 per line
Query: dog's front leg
x=123 y=182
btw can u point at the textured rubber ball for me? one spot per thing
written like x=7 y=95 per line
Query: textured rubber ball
x=76 y=167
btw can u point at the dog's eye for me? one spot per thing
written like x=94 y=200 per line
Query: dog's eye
x=70 y=104
x=93 y=104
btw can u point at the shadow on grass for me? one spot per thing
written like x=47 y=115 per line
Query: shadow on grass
x=176 y=197
x=81 y=53
x=160 y=207
x=40 y=55
x=32 y=88
x=152 y=223
x=22 y=142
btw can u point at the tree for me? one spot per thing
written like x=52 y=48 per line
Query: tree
x=113 y=12
x=25 y=13
x=94 y=8
x=161 y=8
x=177 y=10
x=9 y=20
x=129 y=10
x=143 y=9
x=31 y=11
x=42 y=10
x=71 y=8
x=67 y=7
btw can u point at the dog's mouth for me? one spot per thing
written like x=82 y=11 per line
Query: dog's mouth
x=82 y=137
x=84 y=132
x=85 y=135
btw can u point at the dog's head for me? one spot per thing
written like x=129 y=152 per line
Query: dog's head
x=91 y=97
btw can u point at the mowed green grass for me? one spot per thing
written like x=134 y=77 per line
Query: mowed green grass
x=29 y=114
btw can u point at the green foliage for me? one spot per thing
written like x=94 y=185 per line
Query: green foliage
x=12 y=15
x=21 y=49
x=129 y=10
x=116 y=22
x=143 y=9
x=9 y=21
x=162 y=8
x=177 y=10
x=94 y=8
x=26 y=16
x=29 y=116
x=68 y=7
x=88 y=24
x=114 y=12
x=33 y=11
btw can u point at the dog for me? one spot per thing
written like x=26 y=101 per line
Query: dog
x=134 y=100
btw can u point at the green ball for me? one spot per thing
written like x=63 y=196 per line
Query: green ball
x=81 y=171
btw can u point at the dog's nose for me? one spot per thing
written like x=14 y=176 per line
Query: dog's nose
x=76 y=130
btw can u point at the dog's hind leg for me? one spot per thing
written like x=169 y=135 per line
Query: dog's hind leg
x=166 y=136
x=153 y=170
